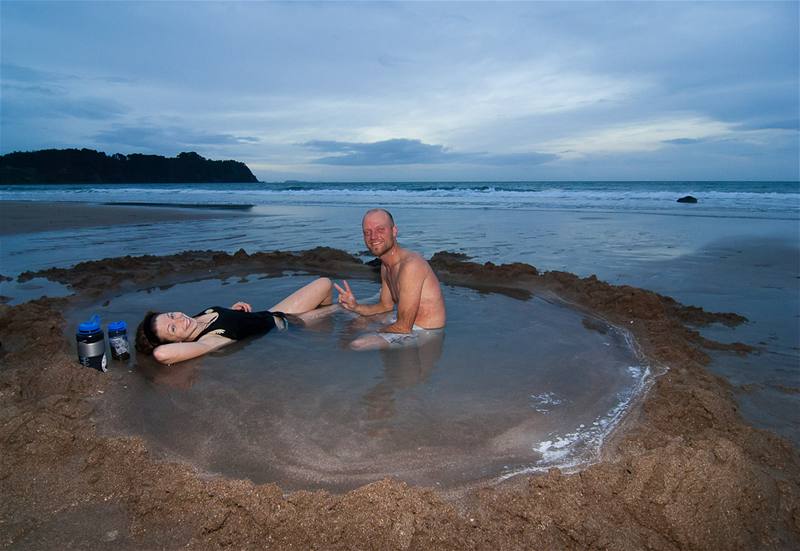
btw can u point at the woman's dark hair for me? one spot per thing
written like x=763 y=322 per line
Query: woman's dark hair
x=146 y=338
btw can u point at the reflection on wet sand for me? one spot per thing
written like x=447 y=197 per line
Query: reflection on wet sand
x=179 y=376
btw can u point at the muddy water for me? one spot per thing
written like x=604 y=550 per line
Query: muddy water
x=514 y=385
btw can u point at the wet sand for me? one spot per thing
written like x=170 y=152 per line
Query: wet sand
x=683 y=472
x=35 y=216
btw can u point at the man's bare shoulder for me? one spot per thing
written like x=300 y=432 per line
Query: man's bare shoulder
x=413 y=261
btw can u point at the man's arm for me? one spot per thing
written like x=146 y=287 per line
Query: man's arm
x=410 y=281
x=348 y=300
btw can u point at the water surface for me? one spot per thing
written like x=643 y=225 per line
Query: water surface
x=737 y=249
x=512 y=386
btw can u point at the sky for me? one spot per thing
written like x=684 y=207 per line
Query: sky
x=381 y=91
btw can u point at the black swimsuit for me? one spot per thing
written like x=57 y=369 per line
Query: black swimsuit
x=237 y=325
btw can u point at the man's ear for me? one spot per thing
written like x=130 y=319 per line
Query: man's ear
x=394 y=231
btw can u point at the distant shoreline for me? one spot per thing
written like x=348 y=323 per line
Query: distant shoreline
x=211 y=206
x=18 y=217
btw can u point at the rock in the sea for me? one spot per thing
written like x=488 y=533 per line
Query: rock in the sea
x=687 y=199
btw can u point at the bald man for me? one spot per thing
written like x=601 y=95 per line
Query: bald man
x=407 y=281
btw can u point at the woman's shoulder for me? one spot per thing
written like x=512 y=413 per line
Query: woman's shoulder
x=214 y=336
x=211 y=310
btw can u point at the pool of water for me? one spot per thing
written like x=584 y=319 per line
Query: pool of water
x=514 y=385
x=14 y=292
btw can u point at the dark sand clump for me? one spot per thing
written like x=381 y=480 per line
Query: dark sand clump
x=684 y=472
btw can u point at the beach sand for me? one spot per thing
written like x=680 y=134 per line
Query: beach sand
x=682 y=472
x=34 y=216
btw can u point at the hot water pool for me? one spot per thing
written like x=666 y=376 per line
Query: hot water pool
x=514 y=385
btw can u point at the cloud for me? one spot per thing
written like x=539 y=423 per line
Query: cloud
x=787 y=124
x=682 y=141
x=170 y=138
x=20 y=73
x=29 y=93
x=515 y=159
x=544 y=78
x=412 y=152
x=390 y=61
x=386 y=152
x=9 y=87
x=43 y=103
x=639 y=136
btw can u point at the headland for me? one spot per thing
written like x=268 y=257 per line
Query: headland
x=64 y=166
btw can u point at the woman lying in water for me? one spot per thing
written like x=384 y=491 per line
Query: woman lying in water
x=174 y=337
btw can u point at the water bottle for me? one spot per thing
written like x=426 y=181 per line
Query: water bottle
x=118 y=340
x=91 y=344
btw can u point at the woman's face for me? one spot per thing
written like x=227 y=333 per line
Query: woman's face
x=174 y=326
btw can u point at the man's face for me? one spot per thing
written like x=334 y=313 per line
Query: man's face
x=379 y=233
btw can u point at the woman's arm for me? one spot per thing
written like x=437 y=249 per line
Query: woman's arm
x=175 y=352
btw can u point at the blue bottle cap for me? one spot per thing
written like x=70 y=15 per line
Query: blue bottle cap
x=91 y=326
x=117 y=326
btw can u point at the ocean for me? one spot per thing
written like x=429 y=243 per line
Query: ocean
x=742 y=199
x=736 y=249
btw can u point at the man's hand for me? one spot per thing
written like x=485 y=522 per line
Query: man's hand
x=346 y=297
x=243 y=306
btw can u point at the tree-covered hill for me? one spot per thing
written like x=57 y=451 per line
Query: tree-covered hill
x=61 y=166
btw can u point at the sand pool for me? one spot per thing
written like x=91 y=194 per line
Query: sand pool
x=515 y=384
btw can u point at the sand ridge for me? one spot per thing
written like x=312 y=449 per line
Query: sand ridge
x=686 y=473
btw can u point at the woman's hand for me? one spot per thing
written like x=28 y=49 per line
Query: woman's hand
x=243 y=306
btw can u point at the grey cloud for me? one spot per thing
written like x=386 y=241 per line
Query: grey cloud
x=216 y=139
x=119 y=80
x=42 y=104
x=166 y=138
x=683 y=141
x=329 y=146
x=735 y=63
x=387 y=152
x=20 y=73
x=408 y=152
x=389 y=61
x=31 y=93
x=91 y=108
x=31 y=89
x=787 y=124
x=515 y=159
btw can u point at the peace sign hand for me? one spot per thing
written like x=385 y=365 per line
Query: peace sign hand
x=346 y=297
